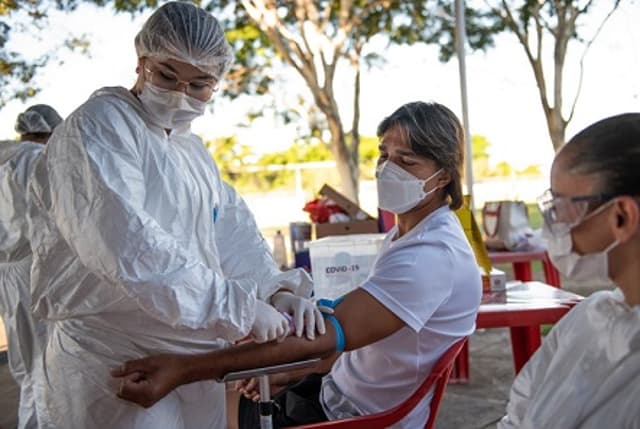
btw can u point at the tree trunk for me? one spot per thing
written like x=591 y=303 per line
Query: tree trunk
x=347 y=169
x=355 y=124
x=557 y=126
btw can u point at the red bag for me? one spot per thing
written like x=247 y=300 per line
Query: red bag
x=321 y=208
x=506 y=225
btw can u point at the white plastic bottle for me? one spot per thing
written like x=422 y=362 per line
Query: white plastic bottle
x=280 y=251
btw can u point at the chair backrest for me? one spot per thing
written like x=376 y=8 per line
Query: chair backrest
x=439 y=376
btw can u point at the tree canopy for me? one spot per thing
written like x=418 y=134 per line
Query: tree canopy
x=313 y=38
x=316 y=38
x=17 y=73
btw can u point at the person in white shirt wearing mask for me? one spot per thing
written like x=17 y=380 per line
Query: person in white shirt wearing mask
x=586 y=374
x=421 y=297
x=140 y=247
x=26 y=336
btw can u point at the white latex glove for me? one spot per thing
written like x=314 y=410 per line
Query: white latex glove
x=269 y=324
x=306 y=316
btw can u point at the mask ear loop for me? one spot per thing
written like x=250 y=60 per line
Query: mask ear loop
x=434 y=175
x=588 y=216
x=600 y=209
x=431 y=191
x=611 y=246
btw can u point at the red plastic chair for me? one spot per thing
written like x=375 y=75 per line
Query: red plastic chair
x=439 y=376
x=386 y=220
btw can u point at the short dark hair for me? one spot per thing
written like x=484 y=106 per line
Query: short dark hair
x=36 y=136
x=610 y=150
x=434 y=132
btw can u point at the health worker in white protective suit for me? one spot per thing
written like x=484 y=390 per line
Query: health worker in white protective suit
x=140 y=247
x=26 y=335
x=586 y=374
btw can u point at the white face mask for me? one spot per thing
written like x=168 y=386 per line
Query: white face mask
x=398 y=190
x=593 y=267
x=170 y=109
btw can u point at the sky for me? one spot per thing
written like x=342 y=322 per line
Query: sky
x=503 y=99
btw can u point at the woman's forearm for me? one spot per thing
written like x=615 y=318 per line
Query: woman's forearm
x=215 y=365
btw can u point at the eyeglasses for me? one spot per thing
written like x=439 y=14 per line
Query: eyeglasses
x=569 y=211
x=166 y=79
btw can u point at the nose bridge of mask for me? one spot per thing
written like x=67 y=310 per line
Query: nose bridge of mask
x=399 y=190
x=410 y=184
x=400 y=173
x=399 y=178
x=391 y=170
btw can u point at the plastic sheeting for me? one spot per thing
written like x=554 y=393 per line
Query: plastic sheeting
x=139 y=248
x=586 y=373
x=26 y=336
x=186 y=33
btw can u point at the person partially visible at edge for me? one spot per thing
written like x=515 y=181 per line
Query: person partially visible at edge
x=422 y=296
x=586 y=374
x=26 y=336
x=140 y=247
x=36 y=124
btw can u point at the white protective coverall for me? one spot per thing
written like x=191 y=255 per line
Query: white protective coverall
x=139 y=248
x=26 y=336
x=586 y=374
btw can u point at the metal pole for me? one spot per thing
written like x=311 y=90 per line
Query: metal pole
x=461 y=38
x=265 y=405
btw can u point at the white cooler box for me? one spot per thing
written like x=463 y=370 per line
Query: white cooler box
x=341 y=263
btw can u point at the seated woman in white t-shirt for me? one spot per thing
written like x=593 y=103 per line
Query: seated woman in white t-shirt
x=421 y=297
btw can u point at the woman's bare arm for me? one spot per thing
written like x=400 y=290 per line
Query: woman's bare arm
x=364 y=320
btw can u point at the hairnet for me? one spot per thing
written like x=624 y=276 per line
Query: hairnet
x=39 y=118
x=187 y=33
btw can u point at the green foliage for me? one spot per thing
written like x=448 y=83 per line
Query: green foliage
x=368 y=155
x=250 y=173
x=480 y=156
x=480 y=146
x=247 y=172
x=530 y=170
x=16 y=72
x=502 y=169
x=535 y=217
x=268 y=35
x=229 y=155
x=400 y=21
x=481 y=27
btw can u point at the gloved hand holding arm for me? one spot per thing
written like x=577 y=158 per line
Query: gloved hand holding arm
x=306 y=315
x=269 y=324
x=364 y=321
x=245 y=254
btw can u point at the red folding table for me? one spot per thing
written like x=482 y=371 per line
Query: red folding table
x=522 y=308
x=521 y=262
